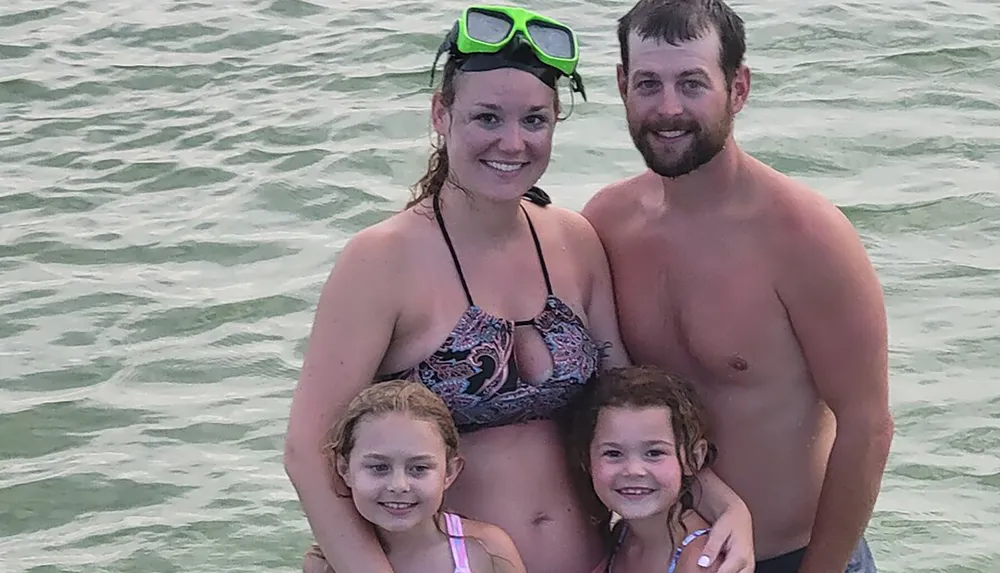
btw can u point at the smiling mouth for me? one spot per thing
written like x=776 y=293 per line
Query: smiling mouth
x=634 y=491
x=397 y=506
x=504 y=166
x=672 y=134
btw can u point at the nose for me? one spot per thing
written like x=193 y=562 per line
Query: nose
x=399 y=482
x=511 y=139
x=671 y=104
x=634 y=466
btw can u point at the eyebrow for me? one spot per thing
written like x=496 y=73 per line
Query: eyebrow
x=644 y=74
x=694 y=72
x=646 y=443
x=380 y=457
x=495 y=107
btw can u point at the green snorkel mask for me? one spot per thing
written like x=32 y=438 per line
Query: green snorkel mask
x=492 y=37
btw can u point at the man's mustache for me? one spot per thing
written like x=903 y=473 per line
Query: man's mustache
x=671 y=125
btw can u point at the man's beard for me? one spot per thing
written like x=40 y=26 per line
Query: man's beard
x=703 y=144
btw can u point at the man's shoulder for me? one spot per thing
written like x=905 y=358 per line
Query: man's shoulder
x=807 y=226
x=796 y=210
x=616 y=200
x=616 y=193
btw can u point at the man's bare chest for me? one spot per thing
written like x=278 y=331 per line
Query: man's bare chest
x=708 y=314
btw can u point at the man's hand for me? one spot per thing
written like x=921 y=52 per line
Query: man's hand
x=731 y=540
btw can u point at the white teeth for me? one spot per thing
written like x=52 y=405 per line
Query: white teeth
x=670 y=133
x=508 y=167
x=634 y=490
x=397 y=505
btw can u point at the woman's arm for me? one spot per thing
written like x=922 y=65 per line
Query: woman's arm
x=499 y=555
x=601 y=312
x=351 y=331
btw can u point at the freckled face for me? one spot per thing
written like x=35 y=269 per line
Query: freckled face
x=397 y=471
x=498 y=131
x=634 y=466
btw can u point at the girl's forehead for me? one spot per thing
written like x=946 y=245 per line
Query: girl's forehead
x=652 y=419
x=401 y=428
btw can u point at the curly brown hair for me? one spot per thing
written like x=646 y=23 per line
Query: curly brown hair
x=646 y=387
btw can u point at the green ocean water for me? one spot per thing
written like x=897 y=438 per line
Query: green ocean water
x=177 y=177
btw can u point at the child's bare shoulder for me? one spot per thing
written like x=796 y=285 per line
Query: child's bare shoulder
x=688 y=562
x=494 y=551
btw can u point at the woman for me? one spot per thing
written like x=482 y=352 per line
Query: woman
x=497 y=301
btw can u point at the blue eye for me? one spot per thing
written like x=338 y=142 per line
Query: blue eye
x=536 y=121
x=488 y=118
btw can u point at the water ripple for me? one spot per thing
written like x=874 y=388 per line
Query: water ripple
x=178 y=178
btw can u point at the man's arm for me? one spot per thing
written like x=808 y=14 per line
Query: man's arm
x=835 y=304
x=732 y=526
x=731 y=538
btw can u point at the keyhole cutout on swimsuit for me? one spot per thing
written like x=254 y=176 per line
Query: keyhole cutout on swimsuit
x=534 y=360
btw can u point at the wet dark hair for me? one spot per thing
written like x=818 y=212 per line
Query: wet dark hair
x=637 y=387
x=675 y=21
x=432 y=181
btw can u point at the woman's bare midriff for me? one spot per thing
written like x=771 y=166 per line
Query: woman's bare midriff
x=516 y=477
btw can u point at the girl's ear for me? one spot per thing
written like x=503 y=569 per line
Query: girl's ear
x=452 y=470
x=342 y=467
x=700 y=450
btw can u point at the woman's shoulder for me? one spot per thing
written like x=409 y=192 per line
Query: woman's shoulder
x=571 y=226
x=390 y=240
x=392 y=229
x=377 y=259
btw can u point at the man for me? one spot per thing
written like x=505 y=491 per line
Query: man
x=751 y=285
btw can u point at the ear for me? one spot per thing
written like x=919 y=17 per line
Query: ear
x=439 y=114
x=739 y=91
x=622 y=82
x=700 y=450
x=454 y=468
x=342 y=470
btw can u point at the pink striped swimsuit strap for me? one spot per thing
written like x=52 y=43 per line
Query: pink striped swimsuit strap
x=458 y=552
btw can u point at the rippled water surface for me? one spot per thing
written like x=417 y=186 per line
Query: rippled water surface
x=177 y=177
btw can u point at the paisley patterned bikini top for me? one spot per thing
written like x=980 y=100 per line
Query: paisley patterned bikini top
x=475 y=372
